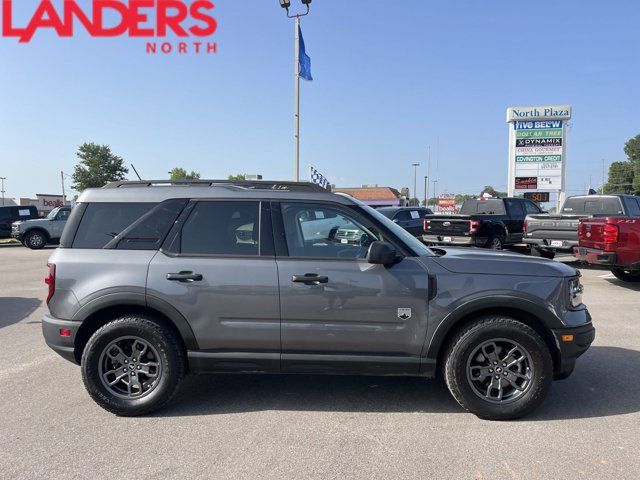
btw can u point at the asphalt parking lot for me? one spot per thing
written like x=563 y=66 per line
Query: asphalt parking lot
x=248 y=427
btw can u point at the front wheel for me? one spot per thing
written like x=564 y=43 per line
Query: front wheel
x=498 y=368
x=625 y=274
x=132 y=365
x=35 y=240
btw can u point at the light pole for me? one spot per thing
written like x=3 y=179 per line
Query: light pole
x=435 y=190
x=415 y=180
x=426 y=189
x=296 y=83
x=2 y=179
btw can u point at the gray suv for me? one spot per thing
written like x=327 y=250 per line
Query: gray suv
x=38 y=232
x=154 y=281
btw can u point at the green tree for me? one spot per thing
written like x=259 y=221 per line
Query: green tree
x=178 y=173
x=237 y=177
x=98 y=166
x=621 y=176
x=632 y=149
x=493 y=192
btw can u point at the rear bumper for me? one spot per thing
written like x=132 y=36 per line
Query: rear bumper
x=548 y=244
x=440 y=240
x=595 y=256
x=572 y=342
x=62 y=345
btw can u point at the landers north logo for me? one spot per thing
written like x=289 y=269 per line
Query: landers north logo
x=157 y=19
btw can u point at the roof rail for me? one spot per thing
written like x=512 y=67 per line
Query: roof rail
x=248 y=184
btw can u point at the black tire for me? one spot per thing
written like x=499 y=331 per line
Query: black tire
x=626 y=275
x=536 y=252
x=495 y=242
x=35 y=240
x=463 y=350
x=171 y=365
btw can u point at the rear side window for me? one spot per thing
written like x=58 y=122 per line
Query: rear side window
x=102 y=222
x=515 y=207
x=531 y=207
x=633 y=205
x=222 y=228
x=593 y=206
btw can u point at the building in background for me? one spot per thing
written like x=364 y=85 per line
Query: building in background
x=375 y=196
x=43 y=202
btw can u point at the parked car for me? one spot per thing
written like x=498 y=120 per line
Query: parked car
x=612 y=241
x=482 y=222
x=409 y=218
x=37 y=233
x=150 y=282
x=548 y=234
x=8 y=215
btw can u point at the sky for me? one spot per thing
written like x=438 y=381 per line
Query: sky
x=391 y=81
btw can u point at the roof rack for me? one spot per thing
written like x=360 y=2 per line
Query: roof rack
x=248 y=184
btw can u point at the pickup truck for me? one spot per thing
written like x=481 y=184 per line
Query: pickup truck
x=612 y=241
x=490 y=223
x=37 y=233
x=548 y=234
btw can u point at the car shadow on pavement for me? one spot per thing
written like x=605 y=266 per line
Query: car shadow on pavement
x=628 y=285
x=222 y=394
x=14 y=309
x=603 y=384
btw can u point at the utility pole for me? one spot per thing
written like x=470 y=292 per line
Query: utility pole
x=435 y=190
x=426 y=189
x=64 y=198
x=415 y=180
x=428 y=171
x=296 y=100
x=2 y=179
x=602 y=190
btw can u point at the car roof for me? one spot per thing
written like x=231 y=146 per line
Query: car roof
x=153 y=191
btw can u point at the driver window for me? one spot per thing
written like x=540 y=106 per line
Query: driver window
x=323 y=231
x=63 y=215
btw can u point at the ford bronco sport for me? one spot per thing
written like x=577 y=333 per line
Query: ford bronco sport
x=153 y=281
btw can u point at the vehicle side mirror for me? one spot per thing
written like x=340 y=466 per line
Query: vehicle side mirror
x=381 y=253
x=395 y=220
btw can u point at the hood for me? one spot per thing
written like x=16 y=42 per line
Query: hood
x=477 y=261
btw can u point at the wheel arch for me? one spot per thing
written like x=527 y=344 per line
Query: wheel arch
x=447 y=330
x=37 y=229
x=163 y=314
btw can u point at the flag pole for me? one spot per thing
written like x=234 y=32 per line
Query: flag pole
x=296 y=101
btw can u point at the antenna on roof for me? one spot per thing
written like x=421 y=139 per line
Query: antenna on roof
x=137 y=174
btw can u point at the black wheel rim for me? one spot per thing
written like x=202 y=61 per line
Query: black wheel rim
x=36 y=240
x=496 y=244
x=130 y=367
x=500 y=371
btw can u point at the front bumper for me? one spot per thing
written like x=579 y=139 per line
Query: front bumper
x=572 y=342
x=448 y=240
x=17 y=234
x=595 y=256
x=62 y=345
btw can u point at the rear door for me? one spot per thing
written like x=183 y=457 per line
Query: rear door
x=340 y=313
x=515 y=219
x=217 y=268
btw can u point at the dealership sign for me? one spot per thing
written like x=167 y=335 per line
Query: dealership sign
x=537 y=148
x=150 y=19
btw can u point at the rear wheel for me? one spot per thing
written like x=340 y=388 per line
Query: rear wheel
x=35 y=240
x=132 y=365
x=626 y=274
x=498 y=368
x=494 y=242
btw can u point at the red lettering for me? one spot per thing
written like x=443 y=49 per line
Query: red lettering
x=212 y=47
x=99 y=7
x=182 y=47
x=136 y=18
x=7 y=21
x=151 y=47
x=166 y=47
x=197 y=46
x=211 y=25
x=173 y=22
x=45 y=17
x=71 y=9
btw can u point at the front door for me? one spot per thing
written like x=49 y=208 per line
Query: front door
x=340 y=313
x=220 y=273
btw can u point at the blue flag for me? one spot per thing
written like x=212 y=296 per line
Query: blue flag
x=304 y=59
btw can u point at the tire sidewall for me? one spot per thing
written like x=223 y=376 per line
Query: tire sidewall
x=542 y=367
x=29 y=238
x=492 y=238
x=621 y=274
x=169 y=377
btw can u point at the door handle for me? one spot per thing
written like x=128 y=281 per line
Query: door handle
x=184 y=277
x=310 y=279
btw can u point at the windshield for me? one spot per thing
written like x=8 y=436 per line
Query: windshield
x=487 y=207
x=387 y=212
x=592 y=206
x=53 y=213
x=412 y=242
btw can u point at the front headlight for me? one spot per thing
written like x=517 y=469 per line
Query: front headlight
x=575 y=292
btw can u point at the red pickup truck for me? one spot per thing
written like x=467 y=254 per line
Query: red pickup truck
x=612 y=241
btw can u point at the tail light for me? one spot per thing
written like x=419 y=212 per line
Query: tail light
x=50 y=280
x=425 y=225
x=611 y=233
x=524 y=227
x=474 y=226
